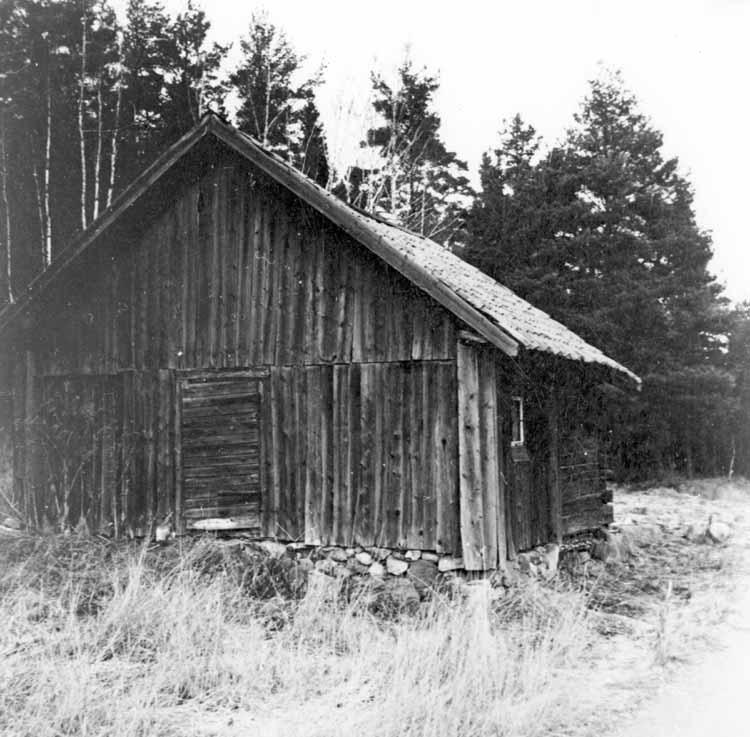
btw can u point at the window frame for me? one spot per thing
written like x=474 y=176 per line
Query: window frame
x=517 y=402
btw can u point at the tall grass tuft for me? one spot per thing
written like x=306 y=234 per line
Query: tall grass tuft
x=100 y=639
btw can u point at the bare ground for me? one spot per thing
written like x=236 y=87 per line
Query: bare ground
x=679 y=664
x=704 y=691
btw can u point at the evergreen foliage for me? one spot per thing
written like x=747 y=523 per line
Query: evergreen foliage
x=277 y=102
x=600 y=232
x=415 y=180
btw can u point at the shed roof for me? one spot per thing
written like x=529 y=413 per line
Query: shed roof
x=494 y=311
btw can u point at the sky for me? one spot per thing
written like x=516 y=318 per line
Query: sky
x=687 y=62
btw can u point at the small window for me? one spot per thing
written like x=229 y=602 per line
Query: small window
x=517 y=431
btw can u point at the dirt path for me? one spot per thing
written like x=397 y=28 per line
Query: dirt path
x=711 y=696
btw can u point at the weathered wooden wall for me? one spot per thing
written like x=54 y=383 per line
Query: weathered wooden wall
x=362 y=454
x=586 y=501
x=98 y=450
x=357 y=425
x=237 y=272
x=371 y=426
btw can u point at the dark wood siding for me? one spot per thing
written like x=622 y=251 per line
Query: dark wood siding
x=236 y=272
x=79 y=434
x=362 y=454
x=586 y=501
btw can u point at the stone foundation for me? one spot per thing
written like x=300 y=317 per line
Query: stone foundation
x=424 y=569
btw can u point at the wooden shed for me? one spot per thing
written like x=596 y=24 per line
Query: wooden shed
x=229 y=346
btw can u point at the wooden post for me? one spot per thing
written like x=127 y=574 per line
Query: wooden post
x=478 y=551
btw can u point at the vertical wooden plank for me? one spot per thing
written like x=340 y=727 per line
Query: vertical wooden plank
x=32 y=451
x=154 y=314
x=416 y=490
x=268 y=309
x=379 y=454
x=137 y=299
x=202 y=276
x=365 y=526
x=474 y=544
x=354 y=450
x=331 y=293
x=165 y=289
x=394 y=421
x=288 y=349
x=164 y=454
x=150 y=408
x=255 y=317
x=319 y=303
x=263 y=301
x=405 y=490
x=555 y=497
x=428 y=450
x=327 y=453
x=446 y=477
x=313 y=467
x=341 y=327
x=108 y=476
x=341 y=474
x=19 y=432
x=177 y=270
x=297 y=328
x=356 y=323
x=418 y=325
x=309 y=257
x=239 y=216
x=286 y=455
x=126 y=454
x=275 y=454
x=280 y=303
x=229 y=248
x=179 y=522
x=492 y=502
x=215 y=272
x=248 y=267
x=300 y=421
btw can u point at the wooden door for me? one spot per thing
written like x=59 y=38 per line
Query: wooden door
x=220 y=450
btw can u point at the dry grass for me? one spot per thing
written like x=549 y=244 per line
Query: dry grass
x=115 y=639
x=101 y=639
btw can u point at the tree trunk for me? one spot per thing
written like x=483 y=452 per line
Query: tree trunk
x=39 y=206
x=98 y=159
x=115 y=131
x=6 y=211
x=81 y=136
x=47 y=162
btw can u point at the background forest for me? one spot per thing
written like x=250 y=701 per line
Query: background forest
x=598 y=230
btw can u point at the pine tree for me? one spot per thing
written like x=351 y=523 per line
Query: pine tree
x=277 y=101
x=147 y=54
x=601 y=233
x=193 y=84
x=416 y=181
